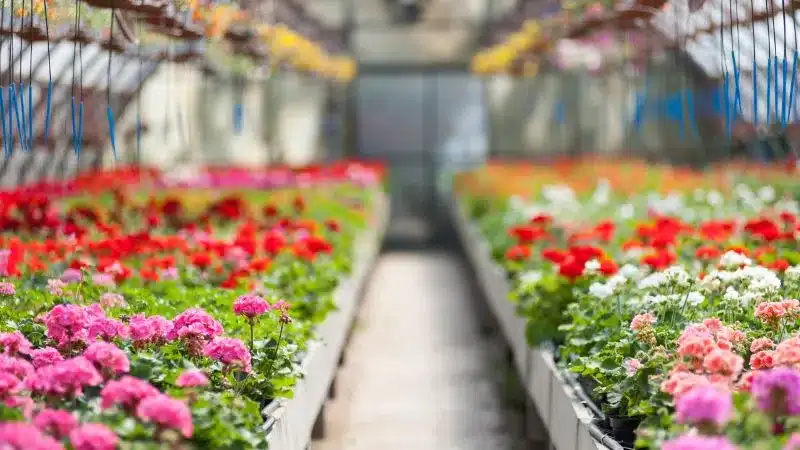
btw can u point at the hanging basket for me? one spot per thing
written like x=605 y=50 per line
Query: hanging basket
x=140 y=6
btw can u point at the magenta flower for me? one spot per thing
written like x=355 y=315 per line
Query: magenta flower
x=19 y=436
x=777 y=391
x=704 y=405
x=192 y=378
x=7 y=288
x=71 y=276
x=55 y=422
x=9 y=384
x=230 y=352
x=687 y=442
x=195 y=328
x=126 y=393
x=149 y=330
x=250 y=306
x=18 y=367
x=108 y=358
x=166 y=412
x=45 y=356
x=93 y=436
x=15 y=343
x=106 y=329
x=66 y=378
x=67 y=324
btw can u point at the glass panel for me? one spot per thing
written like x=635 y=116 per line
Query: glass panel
x=418 y=44
x=390 y=116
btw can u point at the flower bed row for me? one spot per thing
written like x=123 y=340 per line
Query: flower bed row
x=646 y=318
x=137 y=313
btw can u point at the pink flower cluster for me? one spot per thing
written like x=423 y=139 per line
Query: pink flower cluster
x=707 y=357
x=21 y=436
x=149 y=330
x=15 y=344
x=126 y=393
x=705 y=405
x=772 y=313
x=108 y=358
x=250 y=306
x=642 y=321
x=65 y=378
x=166 y=412
x=93 y=436
x=229 y=351
x=195 y=327
x=191 y=379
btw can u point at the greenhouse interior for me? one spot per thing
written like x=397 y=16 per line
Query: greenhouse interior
x=210 y=211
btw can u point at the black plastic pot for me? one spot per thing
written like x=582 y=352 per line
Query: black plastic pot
x=624 y=428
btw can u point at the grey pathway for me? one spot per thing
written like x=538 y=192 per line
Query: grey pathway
x=419 y=375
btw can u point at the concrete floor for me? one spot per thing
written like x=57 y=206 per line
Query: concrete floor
x=419 y=375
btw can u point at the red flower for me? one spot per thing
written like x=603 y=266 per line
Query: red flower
x=201 y=260
x=707 y=252
x=553 y=255
x=332 y=225
x=270 y=210
x=571 y=267
x=542 y=219
x=608 y=267
x=274 y=242
x=299 y=204
x=518 y=253
x=526 y=234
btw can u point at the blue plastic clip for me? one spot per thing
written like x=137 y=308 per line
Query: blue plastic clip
x=111 y=133
x=23 y=132
x=791 y=88
x=20 y=127
x=47 y=112
x=775 y=80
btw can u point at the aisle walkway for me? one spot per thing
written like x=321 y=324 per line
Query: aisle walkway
x=418 y=374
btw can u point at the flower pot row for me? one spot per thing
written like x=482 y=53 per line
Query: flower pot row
x=569 y=423
x=152 y=315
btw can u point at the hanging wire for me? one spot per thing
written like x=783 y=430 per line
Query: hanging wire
x=6 y=140
x=109 y=109
x=49 y=75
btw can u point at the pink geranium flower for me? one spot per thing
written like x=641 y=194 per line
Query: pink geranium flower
x=192 y=378
x=230 y=352
x=15 y=343
x=250 y=306
x=25 y=436
x=66 y=378
x=642 y=321
x=704 y=405
x=126 y=393
x=149 y=330
x=108 y=358
x=93 y=436
x=55 y=422
x=166 y=412
x=45 y=357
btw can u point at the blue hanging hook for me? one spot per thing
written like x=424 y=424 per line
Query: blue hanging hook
x=791 y=88
x=111 y=132
x=47 y=111
x=23 y=118
x=74 y=127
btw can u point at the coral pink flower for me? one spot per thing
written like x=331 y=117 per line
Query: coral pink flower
x=66 y=378
x=45 y=357
x=25 y=436
x=761 y=344
x=746 y=381
x=15 y=343
x=108 y=358
x=166 y=412
x=713 y=324
x=770 y=312
x=250 y=306
x=678 y=383
x=126 y=392
x=55 y=422
x=787 y=353
x=632 y=366
x=642 y=321
x=695 y=346
x=723 y=362
x=229 y=351
x=112 y=300
x=192 y=378
x=762 y=360
x=93 y=436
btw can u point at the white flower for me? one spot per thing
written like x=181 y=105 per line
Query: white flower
x=714 y=198
x=591 y=267
x=695 y=298
x=731 y=295
x=630 y=271
x=766 y=194
x=626 y=211
x=677 y=275
x=793 y=273
x=601 y=290
x=653 y=280
x=734 y=259
x=530 y=279
x=616 y=280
